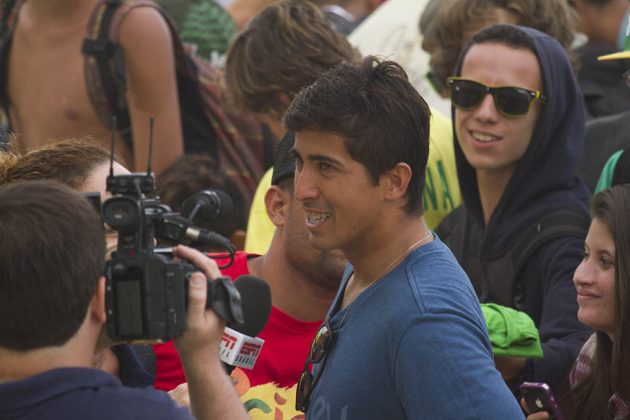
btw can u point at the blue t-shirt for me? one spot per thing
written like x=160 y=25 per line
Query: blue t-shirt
x=80 y=393
x=413 y=345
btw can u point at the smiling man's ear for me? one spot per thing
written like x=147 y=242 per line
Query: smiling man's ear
x=277 y=204
x=396 y=181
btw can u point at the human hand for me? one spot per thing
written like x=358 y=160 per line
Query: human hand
x=211 y=393
x=541 y=415
x=200 y=260
x=204 y=328
x=180 y=395
x=510 y=367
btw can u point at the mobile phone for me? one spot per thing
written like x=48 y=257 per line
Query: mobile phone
x=538 y=397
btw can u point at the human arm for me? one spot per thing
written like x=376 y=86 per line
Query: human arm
x=151 y=80
x=510 y=367
x=212 y=393
x=446 y=353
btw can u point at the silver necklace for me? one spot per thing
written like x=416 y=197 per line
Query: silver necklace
x=413 y=246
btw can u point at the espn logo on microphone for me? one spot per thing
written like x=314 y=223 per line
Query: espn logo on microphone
x=239 y=349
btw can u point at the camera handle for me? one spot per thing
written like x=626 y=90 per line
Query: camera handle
x=224 y=299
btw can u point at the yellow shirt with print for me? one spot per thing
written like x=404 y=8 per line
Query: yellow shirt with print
x=440 y=196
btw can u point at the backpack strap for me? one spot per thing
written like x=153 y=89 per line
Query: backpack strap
x=503 y=274
x=558 y=224
x=104 y=63
x=105 y=86
x=238 y=137
x=208 y=127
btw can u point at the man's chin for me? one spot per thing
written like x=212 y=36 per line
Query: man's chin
x=320 y=243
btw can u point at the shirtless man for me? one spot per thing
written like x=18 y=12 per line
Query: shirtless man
x=46 y=82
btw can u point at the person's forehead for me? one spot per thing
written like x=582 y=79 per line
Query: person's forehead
x=504 y=62
x=600 y=237
x=97 y=180
x=323 y=147
x=320 y=141
x=497 y=49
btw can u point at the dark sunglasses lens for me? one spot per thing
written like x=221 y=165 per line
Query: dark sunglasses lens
x=512 y=101
x=304 y=389
x=467 y=94
x=320 y=343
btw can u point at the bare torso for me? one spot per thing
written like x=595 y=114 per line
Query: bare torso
x=49 y=97
x=47 y=88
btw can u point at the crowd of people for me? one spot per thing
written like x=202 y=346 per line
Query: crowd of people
x=419 y=265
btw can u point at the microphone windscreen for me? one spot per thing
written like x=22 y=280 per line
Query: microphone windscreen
x=256 y=303
x=209 y=204
x=226 y=206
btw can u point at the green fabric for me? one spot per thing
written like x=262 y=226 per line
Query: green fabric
x=512 y=333
x=202 y=23
x=209 y=27
x=605 y=179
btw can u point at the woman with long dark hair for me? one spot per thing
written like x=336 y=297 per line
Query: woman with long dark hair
x=600 y=378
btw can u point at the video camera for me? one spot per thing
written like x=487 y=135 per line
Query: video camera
x=147 y=292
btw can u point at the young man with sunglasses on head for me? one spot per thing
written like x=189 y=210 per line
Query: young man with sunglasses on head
x=404 y=337
x=518 y=119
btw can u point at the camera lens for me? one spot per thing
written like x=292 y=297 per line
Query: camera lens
x=121 y=212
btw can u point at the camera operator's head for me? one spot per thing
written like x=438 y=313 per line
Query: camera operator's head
x=51 y=258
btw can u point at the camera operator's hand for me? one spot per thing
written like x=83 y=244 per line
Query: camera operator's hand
x=212 y=394
x=203 y=327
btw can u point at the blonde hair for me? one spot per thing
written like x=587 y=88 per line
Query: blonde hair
x=456 y=24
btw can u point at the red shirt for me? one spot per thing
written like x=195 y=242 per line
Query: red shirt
x=281 y=360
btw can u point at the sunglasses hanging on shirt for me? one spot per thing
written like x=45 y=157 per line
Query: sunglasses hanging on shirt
x=319 y=347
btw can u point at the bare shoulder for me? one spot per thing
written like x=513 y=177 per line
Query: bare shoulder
x=147 y=45
x=143 y=27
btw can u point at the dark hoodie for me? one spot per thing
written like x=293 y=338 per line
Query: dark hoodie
x=543 y=181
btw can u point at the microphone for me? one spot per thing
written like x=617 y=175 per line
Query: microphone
x=204 y=237
x=239 y=345
x=207 y=205
x=177 y=228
